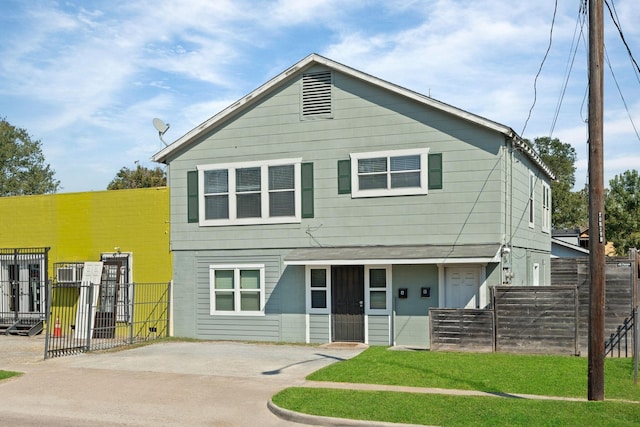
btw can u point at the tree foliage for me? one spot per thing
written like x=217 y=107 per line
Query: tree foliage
x=622 y=211
x=569 y=208
x=140 y=177
x=23 y=169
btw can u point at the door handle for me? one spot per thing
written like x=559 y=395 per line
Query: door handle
x=361 y=304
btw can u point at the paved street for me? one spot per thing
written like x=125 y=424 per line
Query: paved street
x=168 y=384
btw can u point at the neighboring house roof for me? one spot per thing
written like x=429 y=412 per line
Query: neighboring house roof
x=314 y=59
x=421 y=254
x=559 y=247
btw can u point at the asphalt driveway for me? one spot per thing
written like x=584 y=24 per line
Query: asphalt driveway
x=164 y=384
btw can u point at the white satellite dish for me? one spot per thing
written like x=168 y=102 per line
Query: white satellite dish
x=161 y=127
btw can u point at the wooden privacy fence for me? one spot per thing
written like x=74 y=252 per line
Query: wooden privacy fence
x=545 y=319
x=523 y=319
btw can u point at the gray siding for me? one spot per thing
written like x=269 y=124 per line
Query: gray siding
x=319 y=328
x=483 y=200
x=378 y=330
x=464 y=211
x=411 y=325
x=284 y=318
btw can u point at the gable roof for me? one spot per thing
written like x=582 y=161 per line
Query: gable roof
x=314 y=59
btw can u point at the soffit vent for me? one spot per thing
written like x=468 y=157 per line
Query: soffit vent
x=316 y=94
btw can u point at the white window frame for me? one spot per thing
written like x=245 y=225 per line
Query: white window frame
x=236 y=289
x=309 y=289
x=368 y=289
x=264 y=192
x=404 y=191
x=546 y=207
x=531 y=205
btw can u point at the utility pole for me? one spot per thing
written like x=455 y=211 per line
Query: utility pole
x=596 y=203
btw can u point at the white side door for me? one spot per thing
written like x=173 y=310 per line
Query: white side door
x=91 y=276
x=462 y=287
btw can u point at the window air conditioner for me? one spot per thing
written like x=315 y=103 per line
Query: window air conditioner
x=66 y=274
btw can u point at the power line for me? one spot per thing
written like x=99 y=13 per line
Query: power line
x=624 y=41
x=624 y=102
x=580 y=22
x=535 y=80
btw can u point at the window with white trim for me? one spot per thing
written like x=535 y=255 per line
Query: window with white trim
x=236 y=289
x=389 y=173
x=377 y=283
x=531 y=199
x=318 y=284
x=250 y=193
x=546 y=207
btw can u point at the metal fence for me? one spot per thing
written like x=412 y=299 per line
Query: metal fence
x=86 y=317
x=23 y=298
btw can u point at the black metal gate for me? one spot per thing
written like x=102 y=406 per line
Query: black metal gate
x=23 y=290
x=77 y=312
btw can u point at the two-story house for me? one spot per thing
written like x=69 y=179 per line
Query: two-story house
x=330 y=205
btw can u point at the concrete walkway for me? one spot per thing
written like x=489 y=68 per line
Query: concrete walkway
x=165 y=384
x=174 y=384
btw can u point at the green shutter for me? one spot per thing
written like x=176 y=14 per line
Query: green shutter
x=435 y=171
x=344 y=176
x=307 y=190
x=192 y=196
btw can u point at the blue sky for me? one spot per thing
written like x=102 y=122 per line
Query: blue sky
x=87 y=77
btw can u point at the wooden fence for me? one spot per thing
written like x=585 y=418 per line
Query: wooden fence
x=541 y=319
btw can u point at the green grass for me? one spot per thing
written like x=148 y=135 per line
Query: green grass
x=493 y=372
x=456 y=410
x=8 y=374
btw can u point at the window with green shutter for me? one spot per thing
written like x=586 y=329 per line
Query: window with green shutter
x=262 y=192
x=386 y=173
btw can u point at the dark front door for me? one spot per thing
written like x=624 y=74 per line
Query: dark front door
x=105 y=319
x=347 y=303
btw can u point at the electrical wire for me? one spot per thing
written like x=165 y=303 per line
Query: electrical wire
x=624 y=102
x=535 y=80
x=577 y=36
x=624 y=41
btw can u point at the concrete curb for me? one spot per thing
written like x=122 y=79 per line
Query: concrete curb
x=316 y=420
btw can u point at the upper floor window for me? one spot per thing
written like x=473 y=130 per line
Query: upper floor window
x=532 y=189
x=389 y=173
x=250 y=193
x=546 y=207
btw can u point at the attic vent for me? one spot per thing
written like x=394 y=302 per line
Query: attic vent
x=316 y=94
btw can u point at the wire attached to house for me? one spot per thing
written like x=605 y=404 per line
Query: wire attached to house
x=546 y=54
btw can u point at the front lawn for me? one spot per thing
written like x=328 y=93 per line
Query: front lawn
x=497 y=373
x=490 y=372
x=444 y=410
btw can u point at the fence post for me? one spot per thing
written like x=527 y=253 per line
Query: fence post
x=169 y=298
x=635 y=272
x=494 y=319
x=48 y=296
x=89 y=303
x=576 y=316
x=132 y=307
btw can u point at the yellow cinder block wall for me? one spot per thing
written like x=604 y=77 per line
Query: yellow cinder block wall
x=81 y=226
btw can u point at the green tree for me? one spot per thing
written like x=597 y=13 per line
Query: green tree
x=622 y=212
x=23 y=169
x=140 y=177
x=569 y=208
